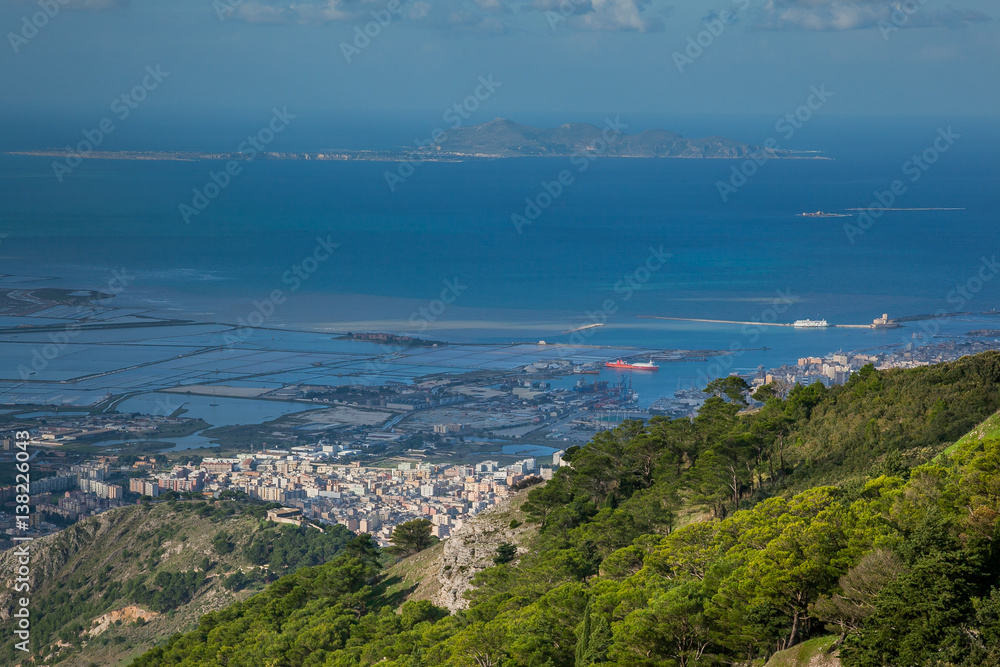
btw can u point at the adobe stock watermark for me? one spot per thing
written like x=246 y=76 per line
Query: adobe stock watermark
x=294 y=278
x=963 y=293
x=750 y=335
x=625 y=288
x=424 y=316
x=31 y=25
x=225 y=8
x=552 y=190
x=455 y=116
x=914 y=168
x=165 y=406
x=249 y=149
x=899 y=16
x=420 y=320
x=715 y=24
x=21 y=613
x=122 y=107
x=564 y=10
x=786 y=126
x=363 y=35
x=42 y=356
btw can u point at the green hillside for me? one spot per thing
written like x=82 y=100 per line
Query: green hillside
x=892 y=549
x=819 y=652
x=988 y=429
x=111 y=586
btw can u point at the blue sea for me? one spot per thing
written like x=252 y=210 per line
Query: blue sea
x=441 y=258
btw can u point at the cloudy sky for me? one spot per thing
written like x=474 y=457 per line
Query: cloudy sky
x=551 y=56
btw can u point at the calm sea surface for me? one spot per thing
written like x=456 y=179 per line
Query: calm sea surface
x=446 y=235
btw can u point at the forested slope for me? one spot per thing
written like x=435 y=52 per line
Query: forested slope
x=829 y=511
x=109 y=587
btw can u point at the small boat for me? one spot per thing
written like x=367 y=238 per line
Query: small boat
x=636 y=366
x=823 y=214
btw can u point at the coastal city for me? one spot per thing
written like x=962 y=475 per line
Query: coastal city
x=500 y=333
x=363 y=499
x=372 y=457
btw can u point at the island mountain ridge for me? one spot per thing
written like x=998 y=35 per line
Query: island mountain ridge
x=505 y=138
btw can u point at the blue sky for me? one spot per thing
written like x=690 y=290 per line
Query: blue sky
x=230 y=58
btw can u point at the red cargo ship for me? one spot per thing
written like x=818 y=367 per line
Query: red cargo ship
x=637 y=366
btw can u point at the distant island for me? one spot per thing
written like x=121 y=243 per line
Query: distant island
x=390 y=339
x=496 y=139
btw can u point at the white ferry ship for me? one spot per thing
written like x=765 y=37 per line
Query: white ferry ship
x=810 y=323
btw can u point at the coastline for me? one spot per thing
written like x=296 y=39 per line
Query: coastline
x=326 y=357
x=364 y=156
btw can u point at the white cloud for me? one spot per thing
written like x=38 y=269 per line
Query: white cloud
x=327 y=11
x=603 y=15
x=92 y=5
x=486 y=16
x=836 y=15
x=461 y=13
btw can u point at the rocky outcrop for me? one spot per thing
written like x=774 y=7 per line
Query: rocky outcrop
x=471 y=549
x=129 y=614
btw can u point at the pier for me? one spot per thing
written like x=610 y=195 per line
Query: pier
x=584 y=327
x=888 y=324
